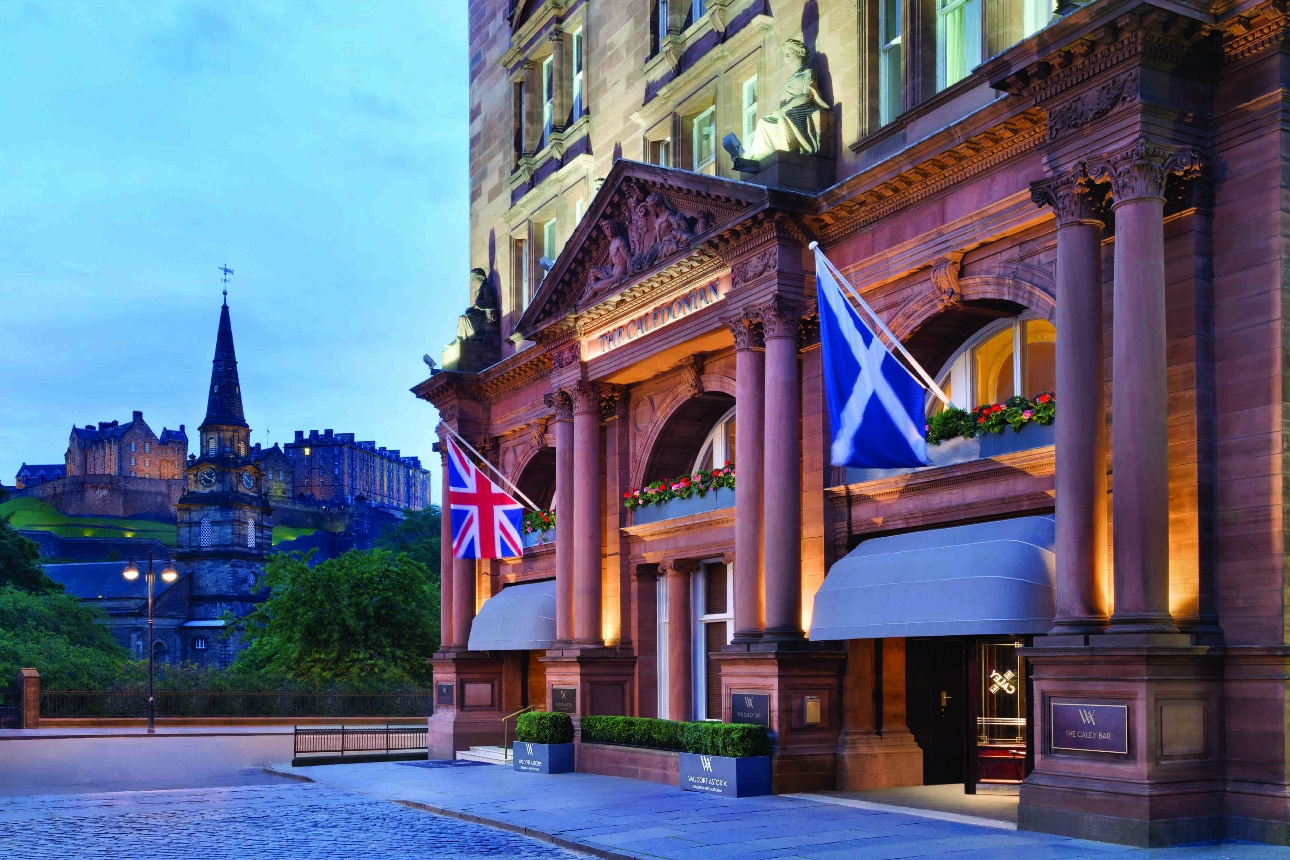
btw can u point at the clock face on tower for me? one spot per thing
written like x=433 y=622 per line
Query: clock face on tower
x=248 y=480
x=207 y=477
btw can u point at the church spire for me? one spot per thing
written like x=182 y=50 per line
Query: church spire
x=224 y=402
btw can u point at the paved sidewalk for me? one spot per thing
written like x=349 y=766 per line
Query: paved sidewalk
x=620 y=818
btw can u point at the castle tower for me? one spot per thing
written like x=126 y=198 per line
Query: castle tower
x=224 y=519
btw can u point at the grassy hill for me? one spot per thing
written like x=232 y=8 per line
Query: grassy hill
x=28 y=513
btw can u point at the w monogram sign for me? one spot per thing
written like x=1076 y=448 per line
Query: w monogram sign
x=1087 y=727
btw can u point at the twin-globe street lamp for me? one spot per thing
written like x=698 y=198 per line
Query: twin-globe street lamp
x=168 y=575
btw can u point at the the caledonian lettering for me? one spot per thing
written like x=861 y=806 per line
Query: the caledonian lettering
x=659 y=316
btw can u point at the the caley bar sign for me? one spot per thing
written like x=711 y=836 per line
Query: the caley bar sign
x=751 y=708
x=1090 y=728
x=670 y=311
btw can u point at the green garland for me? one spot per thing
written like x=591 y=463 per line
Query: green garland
x=1015 y=412
x=683 y=487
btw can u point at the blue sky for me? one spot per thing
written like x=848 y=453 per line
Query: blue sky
x=319 y=148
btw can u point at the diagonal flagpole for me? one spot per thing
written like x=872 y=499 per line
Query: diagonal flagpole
x=484 y=461
x=929 y=383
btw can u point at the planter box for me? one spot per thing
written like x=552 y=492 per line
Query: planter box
x=954 y=451
x=641 y=763
x=715 y=500
x=542 y=758
x=538 y=538
x=728 y=777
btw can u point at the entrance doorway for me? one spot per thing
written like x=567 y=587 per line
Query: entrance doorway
x=936 y=706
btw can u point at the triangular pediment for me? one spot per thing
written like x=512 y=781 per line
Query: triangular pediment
x=644 y=220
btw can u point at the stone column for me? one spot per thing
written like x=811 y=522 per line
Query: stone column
x=1081 y=426
x=559 y=81
x=782 y=532
x=1139 y=383
x=564 y=514
x=532 y=113
x=463 y=600
x=586 y=514
x=680 y=641
x=750 y=417
x=446 y=560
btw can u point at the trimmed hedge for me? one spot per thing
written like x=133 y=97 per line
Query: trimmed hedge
x=543 y=727
x=736 y=740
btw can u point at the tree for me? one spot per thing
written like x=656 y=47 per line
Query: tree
x=418 y=536
x=67 y=641
x=365 y=619
x=20 y=562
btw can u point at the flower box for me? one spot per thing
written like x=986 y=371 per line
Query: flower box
x=542 y=758
x=532 y=539
x=713 y=500
x=963 y=450
x=728 y=777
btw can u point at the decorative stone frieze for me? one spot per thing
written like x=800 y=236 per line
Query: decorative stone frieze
x=749 y=270
x=1073 y=196
x=1255 y=31
x=1093 y=105
x=1141 y=169
x=566 y=356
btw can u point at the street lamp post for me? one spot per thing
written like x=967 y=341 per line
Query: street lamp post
x=168 y=575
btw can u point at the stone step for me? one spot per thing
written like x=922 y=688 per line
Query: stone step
x=486 y=754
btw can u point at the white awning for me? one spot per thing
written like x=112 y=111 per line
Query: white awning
x=976 y=580
x=517 y=618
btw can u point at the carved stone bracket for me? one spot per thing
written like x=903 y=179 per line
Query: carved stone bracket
x=1073 y=196
x=1140 y=170
x=779 y=318
x=691 y=368
x=537 y=431
x=561 y=403
x=945 y=278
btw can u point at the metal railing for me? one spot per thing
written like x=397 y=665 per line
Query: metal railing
x=55 y=704
x=10 y=709
x=343 y=740
x=506 y=745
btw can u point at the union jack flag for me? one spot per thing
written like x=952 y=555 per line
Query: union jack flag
x=485 y=520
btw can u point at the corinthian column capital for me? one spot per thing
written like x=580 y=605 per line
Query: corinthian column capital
x=743 y=328
x=586 y=398
x=1140 y=170
x=561 y=403
x=1073 y=196
x=779 y=318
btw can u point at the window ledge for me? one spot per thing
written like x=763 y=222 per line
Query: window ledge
x=560 y=140
x=919 y=111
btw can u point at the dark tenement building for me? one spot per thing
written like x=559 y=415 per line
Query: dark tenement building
x=332 y=467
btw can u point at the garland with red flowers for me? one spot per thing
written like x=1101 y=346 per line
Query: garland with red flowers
x=536 y=522
x=1015 y=412
x=684 y=487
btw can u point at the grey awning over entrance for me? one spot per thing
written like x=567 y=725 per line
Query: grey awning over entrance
x=517 y=618
x=977 y=580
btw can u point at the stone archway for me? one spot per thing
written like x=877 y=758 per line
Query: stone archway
x=679 y=434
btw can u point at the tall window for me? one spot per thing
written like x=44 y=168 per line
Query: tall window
x=548 y=98
x=250 y=533
x=147 y=447
x=958 y=40
x=660 y=152
x=1036 y=15
x=748 y=106
x=579 y=209
x=577 y=74
x=207 y=533
x=214 y=444
x=521 y=264
x=719 y=448
x=662 y=12
x=890 y=61
x=1017 y=356
x=698 y=8
x=549 y=248
x=714 y=621
x=704 y=130
x=132 y=446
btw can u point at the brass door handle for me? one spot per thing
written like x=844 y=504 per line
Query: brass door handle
x=945 y=697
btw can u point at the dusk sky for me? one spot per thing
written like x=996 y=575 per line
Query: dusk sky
x=317 y=148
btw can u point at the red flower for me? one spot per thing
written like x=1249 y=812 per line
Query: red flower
x=1043 y=398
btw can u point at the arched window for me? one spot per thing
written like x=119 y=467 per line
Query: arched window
x=159 y=652
x=250 y=533
x=719 y=448
x=1011 y=357
x=199 y=644
x=207 y=534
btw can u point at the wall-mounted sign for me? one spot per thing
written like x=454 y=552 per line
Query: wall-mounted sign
x=1090 y=728
x=443 y=694
x=655 y=318
x=564 y=700
x=751 y=708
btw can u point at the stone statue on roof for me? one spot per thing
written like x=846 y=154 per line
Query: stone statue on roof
x=795 y=127
x=474 y=325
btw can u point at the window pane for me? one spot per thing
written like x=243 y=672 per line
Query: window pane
x=749 y=108
x=714 y=641
x=1036 y=15
x=994 y=377
x=715 y=602
x=1041 y=357
x=890 y=73
x=705 y=134
x=730 y=442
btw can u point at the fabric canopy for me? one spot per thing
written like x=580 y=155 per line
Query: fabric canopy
x=981 y=579
x=518 y=618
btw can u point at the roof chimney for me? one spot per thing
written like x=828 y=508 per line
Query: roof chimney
x=138 y=416
x=300 y=435
x=181 y=428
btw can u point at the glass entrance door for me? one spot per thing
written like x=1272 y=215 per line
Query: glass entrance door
x=1001 y=711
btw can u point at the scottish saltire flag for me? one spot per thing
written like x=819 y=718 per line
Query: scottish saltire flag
x=875 y=404
x=485 y=520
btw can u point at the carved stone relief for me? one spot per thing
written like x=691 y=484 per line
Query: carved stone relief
x=1088 y=107
x=692 y=375
x=945 y=278
x=746 y=271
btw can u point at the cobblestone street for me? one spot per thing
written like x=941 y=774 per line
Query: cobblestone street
x=283 y=820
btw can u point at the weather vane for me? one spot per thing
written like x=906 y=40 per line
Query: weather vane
x=226 y=271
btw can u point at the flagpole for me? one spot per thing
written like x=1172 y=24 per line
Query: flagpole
x=484 y=461
x=895 y=341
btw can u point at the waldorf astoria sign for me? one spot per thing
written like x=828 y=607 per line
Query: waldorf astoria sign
x=655 y=318
x=1081 y=727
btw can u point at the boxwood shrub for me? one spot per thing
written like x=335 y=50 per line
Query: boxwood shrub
x=542 y=727
x=736 y=740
